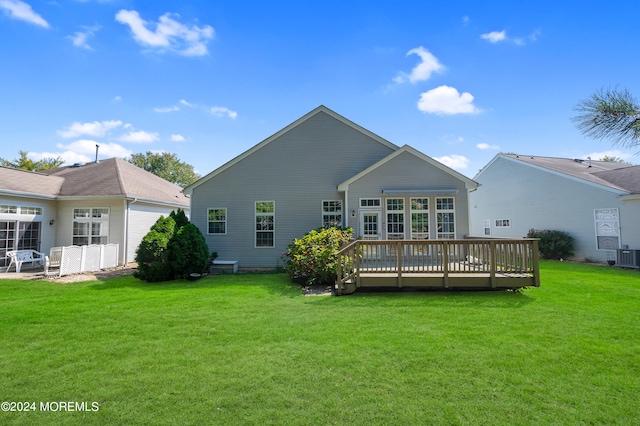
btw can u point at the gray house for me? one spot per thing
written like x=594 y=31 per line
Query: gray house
x=596 y=202
x=325 y=170
x=111 y=201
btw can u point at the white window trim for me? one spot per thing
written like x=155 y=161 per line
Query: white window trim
x=255 y=231
x=90 y=220
x=486 y=226
x=502 y=225
x=378 y=207
x=335 y=213
x=225 y=221
x=404 y=217
x=411 y=212
x=617 y=227
x=455 y=225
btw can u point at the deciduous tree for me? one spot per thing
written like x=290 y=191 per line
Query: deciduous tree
x=167 y=166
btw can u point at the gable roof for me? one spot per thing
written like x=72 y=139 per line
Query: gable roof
x=469 y=183
x=111 y=177
x=618 y=177
x=321 y=109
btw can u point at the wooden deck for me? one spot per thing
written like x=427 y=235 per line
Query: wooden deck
x=439 y=264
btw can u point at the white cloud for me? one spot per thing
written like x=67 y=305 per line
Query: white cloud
x=117 y=99
x=500 y=36
x=167 y=109
x=445 y=100
x=185 y=103
x=80 y=38
x=96 y=128
x=177 y=138
x=495 y=36
x=83 y=151
x=456 y=162
x=423 y=70
x=223 y=111
x=169 y=34
x=484 y=146
x=614 y=153
x=139 y=136
x=17 y=9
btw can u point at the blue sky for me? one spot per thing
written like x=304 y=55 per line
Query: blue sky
x=207 y=80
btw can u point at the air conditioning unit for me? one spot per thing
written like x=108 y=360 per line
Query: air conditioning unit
x=628 y=258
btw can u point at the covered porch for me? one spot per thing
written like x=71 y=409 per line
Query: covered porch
x=439 y=264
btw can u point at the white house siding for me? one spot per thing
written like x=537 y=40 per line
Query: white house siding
x=408 y=172
x=530 y=197
x=298 y=170
x=47 y=232
x=116 y=220
x=141 y=217
x=630 y=223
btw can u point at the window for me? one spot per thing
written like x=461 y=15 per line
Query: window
x=395 y=218
x=217 y=221
x=487 y=227
x=445 y=212
x=37 y=211
x=331 y=214
x=90 y=226
x=29 y=236
x=9 y=209
x=265 y=223
x=370 y=202
x=503 y=223
x=607 y=229
x=419 y=218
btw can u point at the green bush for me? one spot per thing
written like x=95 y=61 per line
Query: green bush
x=553 y=244
x=188 y=252
x=172 y=249
x=153 y=251
x=313 y=259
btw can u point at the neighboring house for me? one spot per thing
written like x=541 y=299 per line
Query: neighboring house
x=596 y=202
x=111 y=201
x=325 y=170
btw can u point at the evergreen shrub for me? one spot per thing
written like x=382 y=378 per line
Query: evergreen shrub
x=553 y=244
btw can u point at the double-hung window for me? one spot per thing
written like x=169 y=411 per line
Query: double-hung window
x=607 y=223
x=217 y=219
x=331 y=214
x=265 y=223
x=90 y=226
x=445 y=216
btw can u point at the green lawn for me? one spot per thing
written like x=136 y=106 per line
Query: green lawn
x=249 y=349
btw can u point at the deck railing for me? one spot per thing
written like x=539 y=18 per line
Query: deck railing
x=503 y=257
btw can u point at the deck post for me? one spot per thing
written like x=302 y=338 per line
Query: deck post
x=400 y=251
x=536 y=264
x=492 y=263
x=445 y=263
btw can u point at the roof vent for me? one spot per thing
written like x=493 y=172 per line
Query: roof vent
x=76 y=165
x=577 y=160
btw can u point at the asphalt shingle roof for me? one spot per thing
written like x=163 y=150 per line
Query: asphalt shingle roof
x=111 y=177
x=620 y=176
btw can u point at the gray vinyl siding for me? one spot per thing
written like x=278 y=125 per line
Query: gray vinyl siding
x=406 y=172
x=535 y=198
x=298 y=170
